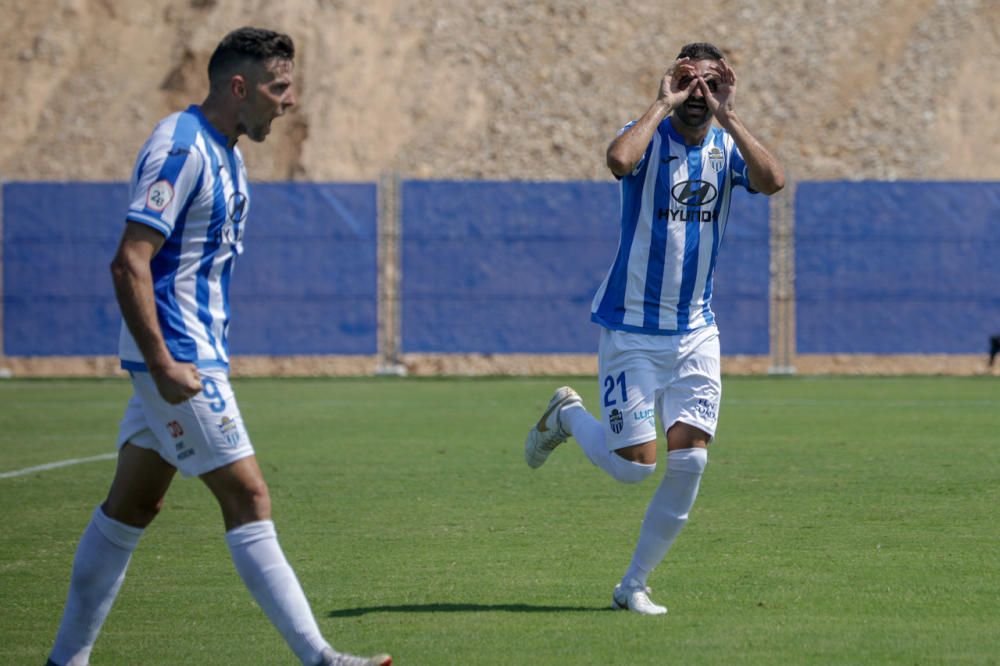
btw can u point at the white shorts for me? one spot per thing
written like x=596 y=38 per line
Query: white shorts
x=196 y=436
x=670 y=378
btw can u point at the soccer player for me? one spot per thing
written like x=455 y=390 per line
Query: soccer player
x=659 y=349
x=184 y=230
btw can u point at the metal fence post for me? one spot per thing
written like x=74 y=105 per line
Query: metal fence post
x=782 y=306
x=389 y=272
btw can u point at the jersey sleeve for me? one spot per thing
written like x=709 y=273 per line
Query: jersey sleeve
x=166 y=176
x=738 y=170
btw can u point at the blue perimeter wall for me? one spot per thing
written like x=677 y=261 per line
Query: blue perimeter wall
x=501 y=267
x=897 y=268
x=508 y=267
x=305 y=285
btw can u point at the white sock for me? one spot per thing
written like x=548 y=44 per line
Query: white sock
x=271 y=581
x=589 y=434
x=98 y=571
x=667 y=512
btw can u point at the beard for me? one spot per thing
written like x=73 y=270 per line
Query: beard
x=257 y=131
x=694 y=116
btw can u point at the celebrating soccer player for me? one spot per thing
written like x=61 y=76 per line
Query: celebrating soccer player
x=659 y=349
x=189 y=206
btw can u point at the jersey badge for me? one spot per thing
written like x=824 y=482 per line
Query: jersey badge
x=159 y=196
x=716 y=159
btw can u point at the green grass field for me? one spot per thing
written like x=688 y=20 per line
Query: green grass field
x=841 y=521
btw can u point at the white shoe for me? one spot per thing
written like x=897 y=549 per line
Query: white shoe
x=636 y=599
x=549 y=433
x=331 y=658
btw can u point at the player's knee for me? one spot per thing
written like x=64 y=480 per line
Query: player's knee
x=628 y=471
x=249 y=503
x=255 y=500
x=136 y=513
x=260 y=501
x=687 y=461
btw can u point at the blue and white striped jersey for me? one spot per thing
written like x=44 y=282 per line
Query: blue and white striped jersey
x=192 y=188
x=674 y=208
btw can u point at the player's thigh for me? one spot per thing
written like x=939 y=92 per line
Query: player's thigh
x=695 y=391
x=141 y=481
x=196 y=436
x=630 y=382
x=241 y=492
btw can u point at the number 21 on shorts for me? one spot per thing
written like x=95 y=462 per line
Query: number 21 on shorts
x=610 y=394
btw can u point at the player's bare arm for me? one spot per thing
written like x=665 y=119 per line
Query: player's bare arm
x=628 y=148
x=133 y=282
x=766 y=174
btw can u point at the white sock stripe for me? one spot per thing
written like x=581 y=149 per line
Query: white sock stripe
x=690 y=461
x=124 y=536
x=251 y=532
x=627 y=471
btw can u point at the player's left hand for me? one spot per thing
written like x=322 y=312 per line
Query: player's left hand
x=722 y=101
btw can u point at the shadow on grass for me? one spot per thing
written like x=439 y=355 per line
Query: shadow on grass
x=460 y=608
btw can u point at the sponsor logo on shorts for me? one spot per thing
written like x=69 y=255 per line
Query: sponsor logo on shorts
x=182 y=453
x=642 y=415
x=230 y=430
x=616 y=421
x=707 y=409
x=175 y=429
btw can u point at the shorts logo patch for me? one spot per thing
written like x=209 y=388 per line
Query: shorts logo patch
x=159 y=196
x=707 y=409
x=616 y=420
x=175 y=429
x=230 y=430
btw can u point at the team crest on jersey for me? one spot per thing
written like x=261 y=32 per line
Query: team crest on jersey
x=716 y=159
x=616 y=420
x=230 y=430
x=159 y=196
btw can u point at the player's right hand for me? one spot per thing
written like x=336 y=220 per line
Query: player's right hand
x=678 y=82
x=177 y=382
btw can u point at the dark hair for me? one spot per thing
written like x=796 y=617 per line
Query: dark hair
x=255 y=45
x=701 y=51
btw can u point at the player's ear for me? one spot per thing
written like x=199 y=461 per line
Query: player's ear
x=239 y=86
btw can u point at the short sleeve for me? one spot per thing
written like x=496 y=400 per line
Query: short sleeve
x=165 y=178
x=738 y=170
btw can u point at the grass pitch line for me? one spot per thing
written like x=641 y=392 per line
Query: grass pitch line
x=55 y=465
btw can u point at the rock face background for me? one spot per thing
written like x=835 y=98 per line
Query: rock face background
x=503 y=89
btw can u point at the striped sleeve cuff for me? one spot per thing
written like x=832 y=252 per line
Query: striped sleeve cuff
x=149 y=221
